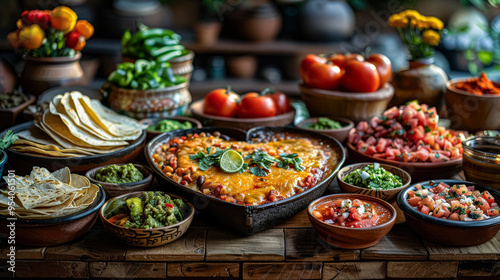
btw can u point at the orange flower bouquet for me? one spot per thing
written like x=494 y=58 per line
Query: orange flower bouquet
x=44 y=33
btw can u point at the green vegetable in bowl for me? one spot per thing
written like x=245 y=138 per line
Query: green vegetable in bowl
x=169 y=125
x=119 y=174
x=325 y=123
x=151 y=210
x=373 y=177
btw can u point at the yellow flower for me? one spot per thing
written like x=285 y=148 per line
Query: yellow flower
x=423 y=23
x=31 y=37
x=411 y=15
x=63 y=18
x=431 y=37
x=398 y=21
x=434 y=23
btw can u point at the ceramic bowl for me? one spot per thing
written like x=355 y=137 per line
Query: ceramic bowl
x=350 y=238
x=387 y=195
x=471 y=112
x=448 y=232
x=113 y=189
x=146 y=237
x=49 y=232
x=245 y=124
x=152 y=134
x=18 y=161
x=339 y=134
x=151 y=103
x=419 y=171
x=352 y=105
x=9 y=116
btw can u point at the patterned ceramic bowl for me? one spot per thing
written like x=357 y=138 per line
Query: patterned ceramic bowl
x=141 y=104
x=146 y=237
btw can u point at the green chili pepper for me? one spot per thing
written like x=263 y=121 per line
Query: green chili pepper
x=168 y=56
x=155 y=52
x=126 y=37
x=159 y=41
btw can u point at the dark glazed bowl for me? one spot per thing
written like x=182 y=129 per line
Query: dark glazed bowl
x=350 y=238
x=247 y=219
x=80 y=165
x=386 y=195
x=49 y=232
x=448 y=232
x=113 y=189
x=146 y=237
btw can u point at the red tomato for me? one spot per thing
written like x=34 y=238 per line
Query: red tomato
x=324 y=76
x=360 y=76
x=364 y=222
x=254 y=105
x=488 y=197
x=281 y=101
x=383 y=65
x=221 y=102
x=306 y=63
x=341 y=60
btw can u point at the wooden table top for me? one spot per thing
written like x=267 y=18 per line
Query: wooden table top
x=291 y=250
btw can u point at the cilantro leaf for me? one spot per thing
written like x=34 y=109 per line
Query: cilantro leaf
x=8 y=139
x=257 y=171
x=292 y=159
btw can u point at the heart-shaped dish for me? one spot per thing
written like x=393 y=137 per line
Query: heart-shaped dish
x=249 y=219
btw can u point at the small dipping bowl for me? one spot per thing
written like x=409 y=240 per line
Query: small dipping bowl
x=481 y=160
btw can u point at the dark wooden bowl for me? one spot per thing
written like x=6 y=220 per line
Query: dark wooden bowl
x=146 y=237
x=49 y=232
x=152 y=134
x=247 y=219
x=113 y=189
x=241 y=123
x=9 y=116
x=448 y=232
x=471 y=112
x=350 y=238
x=419 y=171
x=18 y=161
x=339 y=134
x=355 y=106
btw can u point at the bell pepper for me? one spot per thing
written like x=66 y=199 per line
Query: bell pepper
x=63 y=18
x=84 y=28
x=75 y=40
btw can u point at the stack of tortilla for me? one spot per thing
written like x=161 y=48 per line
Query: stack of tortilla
x=45 y=195
x=74 y=125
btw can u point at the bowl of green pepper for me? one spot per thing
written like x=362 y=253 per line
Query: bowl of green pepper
x=374 y=179
x=147 y=219
x=338 y=128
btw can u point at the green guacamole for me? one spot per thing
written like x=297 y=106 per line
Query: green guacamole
x=126 y=173
x=169 y=125
x=373 y=177
x=151 y=210
x=325 y=123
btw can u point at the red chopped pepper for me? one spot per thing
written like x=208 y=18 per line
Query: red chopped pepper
x=169 y=205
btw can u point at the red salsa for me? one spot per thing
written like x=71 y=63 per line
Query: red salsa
x=353 y=213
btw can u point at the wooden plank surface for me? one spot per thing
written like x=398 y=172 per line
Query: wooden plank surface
x=203 y=269
x=486 y=251
x=128 y=270
x=229 y=245
x=282 y=270
x=479 y=269
x=399 y=244
x=44 y=269
x=96 y=245
x=422 y=269
x=298 y=221
x=355 y=270
x=23 y=253
x=306 y=245
x=190 y=247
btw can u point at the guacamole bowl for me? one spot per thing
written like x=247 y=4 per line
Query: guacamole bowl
x=116 y=189
x=153 y=237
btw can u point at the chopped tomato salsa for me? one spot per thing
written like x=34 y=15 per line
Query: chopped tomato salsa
x=354 y=213
x=479 y=86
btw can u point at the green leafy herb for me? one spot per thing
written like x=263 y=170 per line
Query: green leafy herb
x=8 y=139
x=288 y=159
x=206 y=160
x=263 y=161
x=374 y=178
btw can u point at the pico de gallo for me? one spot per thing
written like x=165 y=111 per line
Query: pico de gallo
x=457 y=202
x=353 y=213
x=408 y=134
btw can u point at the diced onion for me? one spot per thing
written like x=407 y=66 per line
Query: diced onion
x=345 y=215
x=376 y=165
x=364 y=175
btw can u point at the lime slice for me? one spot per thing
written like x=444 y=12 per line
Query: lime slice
x=231 y=161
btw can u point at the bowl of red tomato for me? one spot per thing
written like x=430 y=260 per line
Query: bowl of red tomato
x=349 y=86
x=451 y=212
x=223 y=107
x=351 y=221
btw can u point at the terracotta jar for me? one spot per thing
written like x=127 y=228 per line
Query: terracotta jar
x=423 y=81
x=42 y=73
x=260 y=24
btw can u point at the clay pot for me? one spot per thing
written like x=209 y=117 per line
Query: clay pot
x=207 y=32
x=260 y=24
x=241 y=66
x=42 y=73
x=423 y=81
